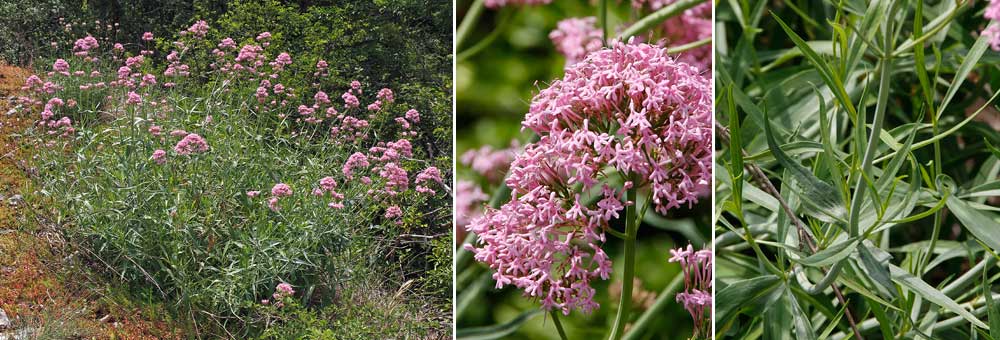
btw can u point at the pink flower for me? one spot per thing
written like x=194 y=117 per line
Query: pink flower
x=321 y=98
x=697 y=295
x=118 y=47
x=322 y=65
x=281 y=190
x=335 y=205
x=178 y=133
x=191 y=143
x=133 y=98
x=272 y=203
x=431 y=174
x=350 y=101
x=393 y=212
x=385 y=95
x=576 y=37
x=263 y=36
x=83 y=45
x=61 y=67
x=327 y=183
x=355 y=85
x=155 y=130
x=227 y=43
x=159 y=156
x=199 y=29
x=992 y=29
x=253 y=193
x=148 y=36
x=281 y=61
x=396 y=179
x=413 y=116
x=631 y=108
x=469 y=199
x=489 y=163
x=282 y=290
x=377 y=105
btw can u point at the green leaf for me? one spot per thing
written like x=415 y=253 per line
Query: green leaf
x=935 y=296
x=877 y=271
x=831 y=80
x=820 y=199
x=971 y=58
x=803 y=328
x=730 y=300
x=832 y=254
x=982 y=224
x=992 y=309
x=496 y=331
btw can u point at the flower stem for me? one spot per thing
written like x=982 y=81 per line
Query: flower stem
x=657 y=18
x=665 y=298
x=555 y=320
x=469 y=21
x=625 y=304
x=604 y=22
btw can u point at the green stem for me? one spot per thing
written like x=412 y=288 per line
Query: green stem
x=505 y=19
x=662 y=301
x=657 y=18
x=872 y=147
x=469 y=21
x=689 y=46
x=604 y=22
x=555 y=320
x=625 y=303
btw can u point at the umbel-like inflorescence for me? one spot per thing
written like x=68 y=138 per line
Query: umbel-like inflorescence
x=632 y=110
x=992 y=30
x=697 y=295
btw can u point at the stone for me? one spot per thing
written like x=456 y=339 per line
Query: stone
x=4 y=320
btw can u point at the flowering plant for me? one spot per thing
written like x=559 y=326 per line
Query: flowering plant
x=623 y=134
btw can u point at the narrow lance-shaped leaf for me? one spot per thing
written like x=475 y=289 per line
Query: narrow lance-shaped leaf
x=821 y=199
x=737 y=295
x=832 y=254
x=496 y=331
x=931 y=294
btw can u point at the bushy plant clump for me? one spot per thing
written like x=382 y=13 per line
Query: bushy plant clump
x=227 y=175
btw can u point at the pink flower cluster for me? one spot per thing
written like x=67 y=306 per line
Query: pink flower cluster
x=277 y=192
x=282 y=291
x=394 y=213
x=469 y=199
x=429 y=175
x=992 y=30
x=159 y=156
x=395 y=177
x=385 y=95
x=191 y=143
x=489 y=163
x=697 y=295
x=576 y=37
x=327 y=185
x=355 y=161
x=631 y=108
x=82 y=46
x=198 y=30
